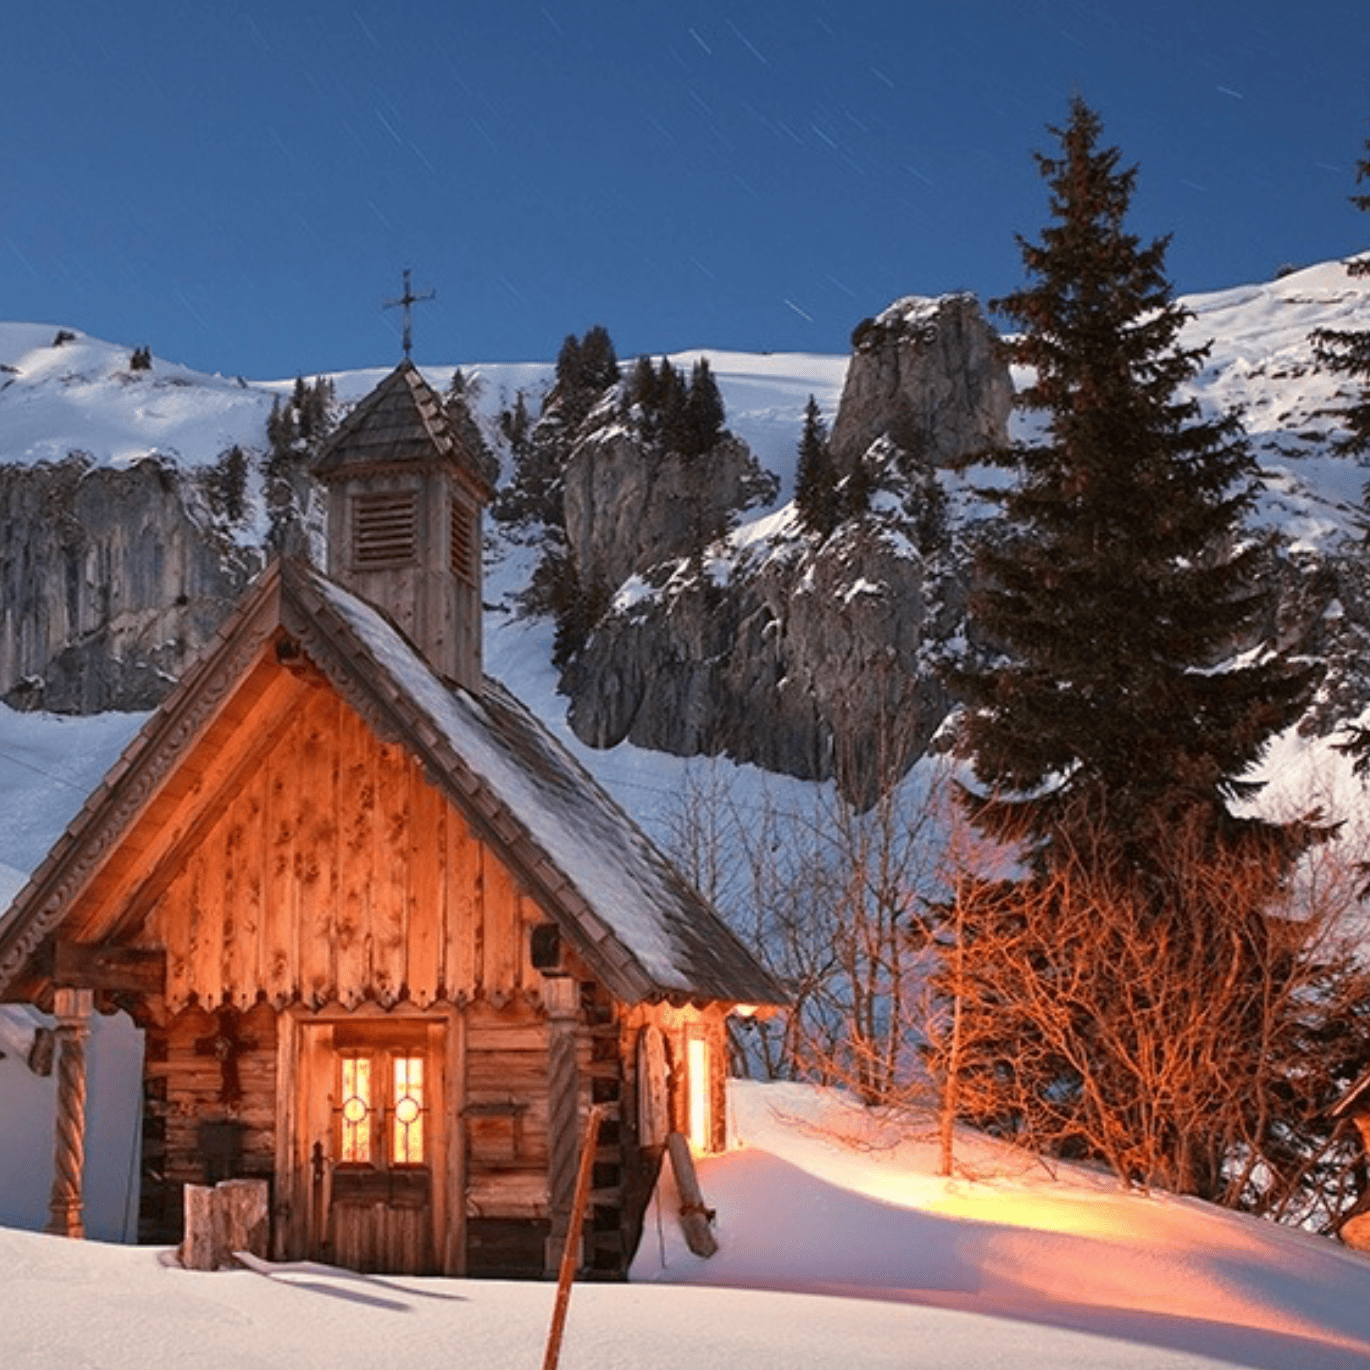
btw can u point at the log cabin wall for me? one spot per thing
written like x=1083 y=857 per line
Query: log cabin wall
x=336 y=873
x=505 y=1117
x=209 y=1109
x=210 y=1113
x=525 y=1113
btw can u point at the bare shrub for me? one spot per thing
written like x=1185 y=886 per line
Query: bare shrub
x=1193 y=1041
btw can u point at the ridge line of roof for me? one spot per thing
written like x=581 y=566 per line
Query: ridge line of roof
x=584 y=926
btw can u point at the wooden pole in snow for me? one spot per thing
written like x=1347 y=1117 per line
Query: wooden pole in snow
x=570 y=1253
x=694 y=1213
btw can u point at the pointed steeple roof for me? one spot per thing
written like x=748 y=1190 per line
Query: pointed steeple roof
x=401 y=423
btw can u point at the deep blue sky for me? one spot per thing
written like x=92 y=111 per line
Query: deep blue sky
x=239 y=184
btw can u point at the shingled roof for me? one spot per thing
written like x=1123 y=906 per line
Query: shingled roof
x=638 y=924
x=399 y=424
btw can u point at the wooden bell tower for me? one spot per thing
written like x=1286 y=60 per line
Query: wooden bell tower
x=405 y=497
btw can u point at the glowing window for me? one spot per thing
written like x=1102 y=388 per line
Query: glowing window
x=701 y=1100
x=406 y=1143
x=382 y=1103
x=357 y=1108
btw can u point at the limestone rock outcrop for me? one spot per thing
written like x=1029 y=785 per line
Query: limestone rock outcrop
x=807 y=662
x=110 y=580
x=931 y=376
x=627 y=508
x=812 y=657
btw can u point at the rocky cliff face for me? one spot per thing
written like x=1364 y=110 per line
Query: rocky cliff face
x=627 y=508
x=803 y=655
x=928 y=375
x=809 y=659
x=110 y=580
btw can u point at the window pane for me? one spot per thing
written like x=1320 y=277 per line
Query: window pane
x=701 y=1113
x=407 y=1138
x=356 y=1110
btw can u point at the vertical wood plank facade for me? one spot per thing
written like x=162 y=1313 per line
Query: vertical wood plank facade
x=342 y=880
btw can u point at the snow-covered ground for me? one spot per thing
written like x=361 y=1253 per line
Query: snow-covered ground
x=839 y=1247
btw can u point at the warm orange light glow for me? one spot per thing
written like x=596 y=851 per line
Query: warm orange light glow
x=356 y=1110
x=701 y=1107
x=406 y=1147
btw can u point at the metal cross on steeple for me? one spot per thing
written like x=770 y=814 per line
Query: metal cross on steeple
x=407 y=301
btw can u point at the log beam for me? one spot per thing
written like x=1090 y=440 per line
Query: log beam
x=133 y=970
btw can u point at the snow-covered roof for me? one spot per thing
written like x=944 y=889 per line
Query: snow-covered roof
x=631 y=913
x=643 y=930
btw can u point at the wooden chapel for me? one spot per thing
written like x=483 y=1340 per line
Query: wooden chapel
x=387 y=940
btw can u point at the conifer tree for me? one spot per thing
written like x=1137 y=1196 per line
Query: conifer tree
x=703 y=413
x=671 y=394
x=1121 y=576
x=815 y=484
x=640 y=393
x=1111 y=733
x=462 y=393
x=1347 y=351
x=586 y=368
x=568 y=362
x=598 y=360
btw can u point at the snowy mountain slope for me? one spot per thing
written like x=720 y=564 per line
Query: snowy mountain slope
x=83 y=396
x=1262 y=365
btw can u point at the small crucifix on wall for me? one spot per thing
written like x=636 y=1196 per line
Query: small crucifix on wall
x=226 y=1046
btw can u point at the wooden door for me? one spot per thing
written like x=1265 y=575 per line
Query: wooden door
x=375 y=1133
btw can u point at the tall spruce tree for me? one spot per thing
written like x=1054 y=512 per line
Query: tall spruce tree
x=1109 y=740
x=586 y=367
x=1122 y=576
x=704 y=413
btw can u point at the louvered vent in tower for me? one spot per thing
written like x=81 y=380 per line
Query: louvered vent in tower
x=385 y=529
x=463 y=542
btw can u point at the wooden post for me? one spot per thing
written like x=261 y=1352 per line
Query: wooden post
x=222 y=1221
x=67 y=1202
x=561 y=997
x=570 y=1253
x=694 y=1213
